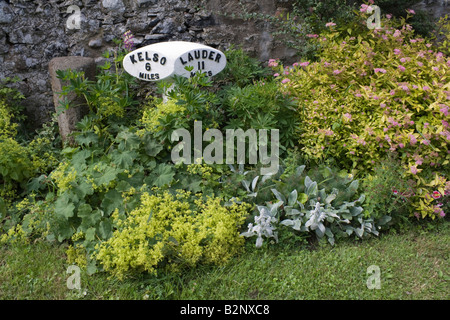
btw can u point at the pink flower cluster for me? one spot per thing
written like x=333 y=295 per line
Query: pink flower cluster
x=379 y=70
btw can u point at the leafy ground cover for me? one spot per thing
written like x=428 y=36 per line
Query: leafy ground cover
x=364 y=150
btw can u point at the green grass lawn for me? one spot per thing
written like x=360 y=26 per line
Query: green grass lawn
x=414 y=264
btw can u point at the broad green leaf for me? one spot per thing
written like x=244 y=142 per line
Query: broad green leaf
x=63 y=207
x=385 y=219
x=353 y=186
x=278 y=195
x=292 y=212
x=83 y=189
x=105 y=229
x=91 y=268
x=164 y=175
x=254 y=182
x=90 y=234
x=128 y=140
x=329 y=233
x=287 y=222
x=356 y=211
x=84 y=210
x=297 y=224
x=346 y=215
x=299 y=170
x=308 y=182
x=362 y=198
x=91 y=219
x=64 y=230
x=79 y=159
x=330 y=198
x=124 y=159
x=292 y=199
x=320 y=230
x=152 y=147
x=302 y=198
x=87 y=138
x=109 y=175
x=111 y=201
x=311 y=190
x=36 y=183
x=359 y=232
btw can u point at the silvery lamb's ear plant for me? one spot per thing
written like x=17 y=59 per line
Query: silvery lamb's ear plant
x=323 y=216
x=264 y=224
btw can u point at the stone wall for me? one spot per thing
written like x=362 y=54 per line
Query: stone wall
x=437 y=8
x=34 y=32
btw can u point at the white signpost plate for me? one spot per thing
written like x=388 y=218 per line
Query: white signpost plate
x=165 y=59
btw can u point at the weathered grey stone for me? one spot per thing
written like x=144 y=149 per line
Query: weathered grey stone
x=113 y=5
x=143 y=3
x=6 y=15
x=167 y=26
x=68 y=119
x=96 y=43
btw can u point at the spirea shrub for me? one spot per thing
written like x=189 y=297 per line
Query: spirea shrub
x=382 y=92
x=175 y=231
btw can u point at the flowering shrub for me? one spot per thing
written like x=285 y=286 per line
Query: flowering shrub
x=172 y=229
x=381 y=92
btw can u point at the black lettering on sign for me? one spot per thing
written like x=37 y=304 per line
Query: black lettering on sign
x=149 y=76
x=190 y=58
x=182 y=61
x=133 y=60
x=218 y=57
x=211 y=55
x=156 y=57
x=197 y=54
x=204 y=54
x=147 y=57
x=163 y=61
x=140 y=56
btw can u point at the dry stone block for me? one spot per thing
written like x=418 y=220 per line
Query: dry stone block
x=68 y=119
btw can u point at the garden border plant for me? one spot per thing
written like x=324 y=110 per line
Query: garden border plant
x=371 y=95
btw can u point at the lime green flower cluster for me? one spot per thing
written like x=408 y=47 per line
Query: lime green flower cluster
x=108 y=106
x=63 y=178
x=172 y=229
x=203 y=170
x=153 y=115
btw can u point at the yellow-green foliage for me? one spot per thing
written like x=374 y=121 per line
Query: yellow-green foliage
x=63 y=177
x=43 y=160
x=171 y=229
x=7 y=127
x=153 y=115
x=444 y=34
x=15 y=166
x=108 y=106
x=384 y=91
